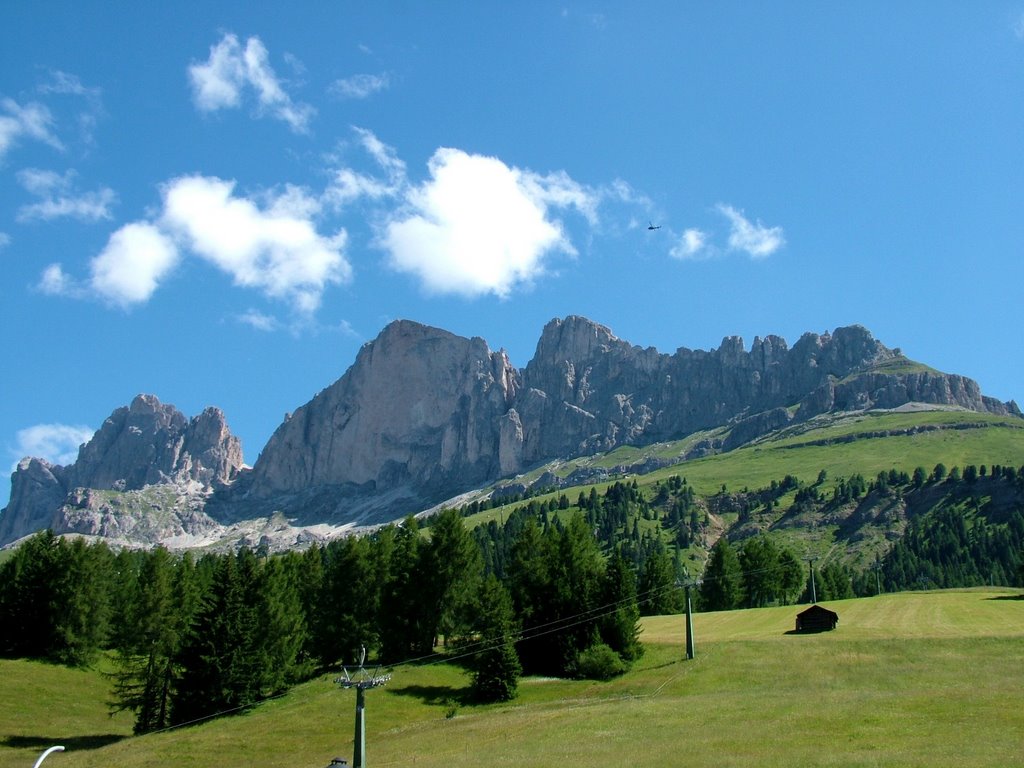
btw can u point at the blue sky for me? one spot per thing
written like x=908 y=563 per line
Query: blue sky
x=220 y=204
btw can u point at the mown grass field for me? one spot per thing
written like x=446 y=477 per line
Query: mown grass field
x=912 y=679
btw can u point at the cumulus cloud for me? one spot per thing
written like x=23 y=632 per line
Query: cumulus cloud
x=57 y=443
x=59 y=198
x=31 y=121
x=478 y=226
x=692 y=244
x=129 y=269
x=755 y=239
x=359 y=86
x=275 y=249
x=219 y=82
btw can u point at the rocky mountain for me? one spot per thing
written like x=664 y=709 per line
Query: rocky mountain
x=423 y=415
x=140 y=446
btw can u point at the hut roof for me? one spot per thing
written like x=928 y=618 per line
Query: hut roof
x=817 y=610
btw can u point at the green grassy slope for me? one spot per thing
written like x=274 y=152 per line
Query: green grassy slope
x=913 y=679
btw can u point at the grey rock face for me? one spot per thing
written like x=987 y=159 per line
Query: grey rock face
x=144 y=444
x=423 y=414
x=420 y=409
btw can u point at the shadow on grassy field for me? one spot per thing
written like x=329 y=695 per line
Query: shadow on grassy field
x=72 y=743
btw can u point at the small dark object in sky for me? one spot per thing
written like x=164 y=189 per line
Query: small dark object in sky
x=651 y=225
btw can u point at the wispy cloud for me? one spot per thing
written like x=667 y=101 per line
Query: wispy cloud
x=259 y=320
x=5 y=240
x=32 y=121
x=56 y=443
x=66 y=84
x=348 y=185
x=359 y=86
x=755 y=239
x=478 y=226
x=1018 y=28
x=219 y=82
x=59 y=198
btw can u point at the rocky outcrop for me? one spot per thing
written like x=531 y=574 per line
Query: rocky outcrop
x=144 y=444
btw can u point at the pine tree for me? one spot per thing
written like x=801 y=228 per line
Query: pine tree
x=496 y=667
x=147 y=645
x=450 y=570
x=657 y=593
x=619 y=625
x=721 y=588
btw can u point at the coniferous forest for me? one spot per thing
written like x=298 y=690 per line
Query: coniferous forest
x=551 y=587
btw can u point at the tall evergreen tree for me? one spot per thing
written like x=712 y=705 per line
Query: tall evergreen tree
x=450 y=569
x=147 y=645
x=496 y=668
x=619 y=625
x=657 y=594
x=721 y=588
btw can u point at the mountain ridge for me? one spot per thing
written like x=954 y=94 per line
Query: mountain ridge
x=423 y=414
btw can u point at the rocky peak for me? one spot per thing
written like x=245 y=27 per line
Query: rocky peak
x=149 y=442
x=419 y=409
x=142 y=444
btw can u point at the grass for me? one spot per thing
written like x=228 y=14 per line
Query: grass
x=913 y=679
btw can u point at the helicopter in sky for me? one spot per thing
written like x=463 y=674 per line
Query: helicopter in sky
x=650 y=226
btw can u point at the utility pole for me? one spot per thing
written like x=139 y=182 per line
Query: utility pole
x=362 y=681
x=814 y=591
x=878 y=582
x=689 y=625
x=689 y=620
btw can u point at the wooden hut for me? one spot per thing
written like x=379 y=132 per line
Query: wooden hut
x=816 y=619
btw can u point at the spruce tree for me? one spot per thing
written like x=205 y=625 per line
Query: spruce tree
x=496 y=668
x=721 y=588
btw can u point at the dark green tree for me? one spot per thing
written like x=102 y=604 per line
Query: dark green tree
x=495 y=667
x=657 y=593
x=721 y=588
x=147 y=645
x=619 y=625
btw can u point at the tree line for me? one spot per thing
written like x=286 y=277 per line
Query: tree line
x=196 y=637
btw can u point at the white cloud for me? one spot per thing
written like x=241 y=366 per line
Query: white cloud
x=359 y=86
x=258 y=320
x=478 y=226
x=55 y=282
x=59 y=198
x=57 y=443
x=692 y=244
x=275 y=249
x=129 y=269
x=755 y=239
x=349 y=185
x=218 y=83
x=5 y=240
x=32 y=121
